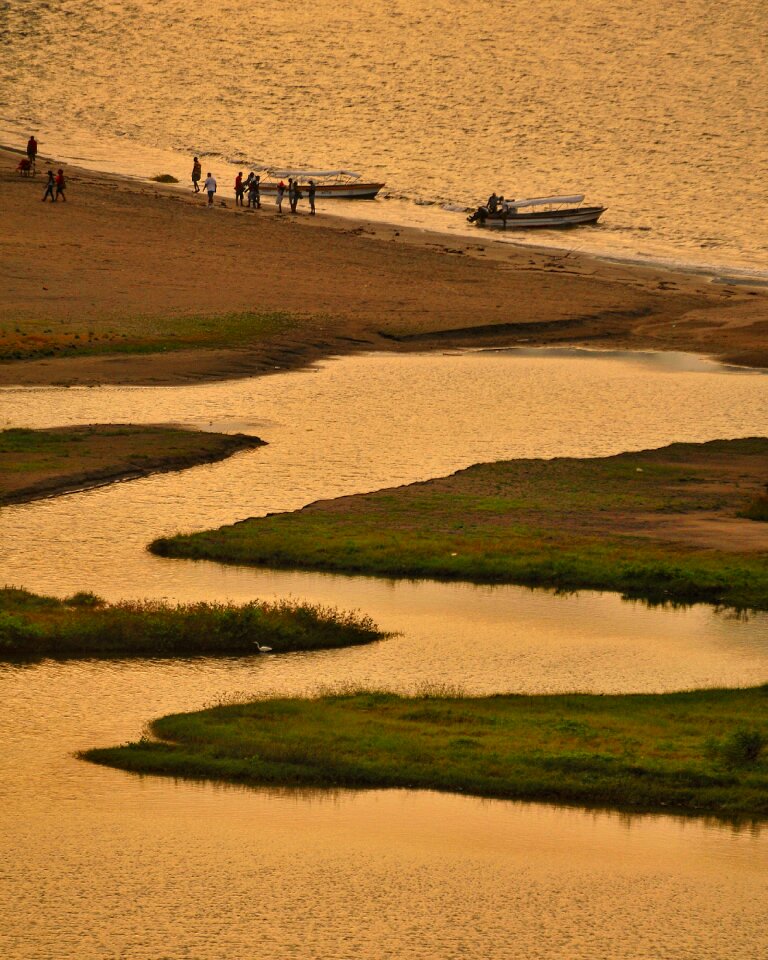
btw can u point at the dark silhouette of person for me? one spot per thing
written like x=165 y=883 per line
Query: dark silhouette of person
x=49 y=187
x=32 y=150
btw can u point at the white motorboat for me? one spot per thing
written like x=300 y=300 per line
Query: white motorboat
x=329 y=184
x=565 y=211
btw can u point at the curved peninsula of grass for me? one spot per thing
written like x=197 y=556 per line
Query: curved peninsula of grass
x=662 y=525
x=34 y=627
x=700 y=751
x=41 y=463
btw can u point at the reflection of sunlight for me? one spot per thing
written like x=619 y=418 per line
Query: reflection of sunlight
x=366 y=422
x=676 y=361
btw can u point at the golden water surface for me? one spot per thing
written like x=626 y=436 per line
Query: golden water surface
x=658 y=110
x=95 y=863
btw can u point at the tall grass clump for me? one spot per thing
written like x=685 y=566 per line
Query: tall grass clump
x=33 y=627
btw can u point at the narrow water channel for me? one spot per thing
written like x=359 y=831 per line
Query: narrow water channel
x=96 y=863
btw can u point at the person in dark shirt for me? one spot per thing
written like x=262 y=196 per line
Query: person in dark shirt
x=293 y=193
x=32 y=150
x=197 y=172
x=49 y=187
x=311 y=195
x=254 y=193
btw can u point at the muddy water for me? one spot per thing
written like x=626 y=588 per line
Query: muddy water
x=95 y=863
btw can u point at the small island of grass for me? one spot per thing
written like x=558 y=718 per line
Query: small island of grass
x=666 y=525
x=698 y=752
x=40 y=463
x=33 y=627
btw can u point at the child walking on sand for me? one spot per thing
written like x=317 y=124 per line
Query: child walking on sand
x=61 y=185
x=49 y=187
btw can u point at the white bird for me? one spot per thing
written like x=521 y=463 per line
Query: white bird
x=262 y=649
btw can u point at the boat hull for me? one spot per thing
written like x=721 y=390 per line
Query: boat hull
x=330 y=191
x=543 y=218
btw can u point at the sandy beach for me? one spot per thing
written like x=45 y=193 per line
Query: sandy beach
x=123 y=248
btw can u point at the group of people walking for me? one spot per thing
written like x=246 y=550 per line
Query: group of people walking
x=250 y=188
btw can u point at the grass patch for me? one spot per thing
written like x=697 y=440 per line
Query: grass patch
x=164 y=178
x=641 y=752
x=33 y=338
x=627 y=523
x=757 y=509
x=34 y=627
x=35 y=463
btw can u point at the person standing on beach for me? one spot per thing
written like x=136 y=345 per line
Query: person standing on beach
x=32 y=151
x=254 y=194
x=239 y=189
x=61 y=185
x=197 y=172
x=210 y=187
x=294 y=194
x=280 y=194
x=49 y=187
x=311 y=195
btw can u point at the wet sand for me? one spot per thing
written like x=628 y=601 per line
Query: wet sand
x=121 y=247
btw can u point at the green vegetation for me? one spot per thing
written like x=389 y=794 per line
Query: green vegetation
x=659 y=525
x=757 y=509
x=700 y=751
x=44 y=337
x=35 y=463
x=164 y=178
x=33 y=627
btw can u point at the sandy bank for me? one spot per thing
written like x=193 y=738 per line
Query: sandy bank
x=121 y=248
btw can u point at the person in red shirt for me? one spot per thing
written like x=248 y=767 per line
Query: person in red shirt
x=61 y=185
x=32 y=150
x=239 y=189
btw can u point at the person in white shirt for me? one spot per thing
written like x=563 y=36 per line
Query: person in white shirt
x=210 y=186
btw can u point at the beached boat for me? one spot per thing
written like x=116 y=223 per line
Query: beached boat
x=538 y=212
x=329 y=184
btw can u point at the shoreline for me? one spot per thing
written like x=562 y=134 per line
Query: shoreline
x=126 y=247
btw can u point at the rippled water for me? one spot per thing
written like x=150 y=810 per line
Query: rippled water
x=98 y=864
x=362 y=423
x=95 y=863
x=656 y=109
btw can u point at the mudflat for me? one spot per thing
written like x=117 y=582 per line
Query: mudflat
x=137 y=282
x=43 y=463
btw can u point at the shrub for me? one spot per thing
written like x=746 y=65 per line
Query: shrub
x=741 y=748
